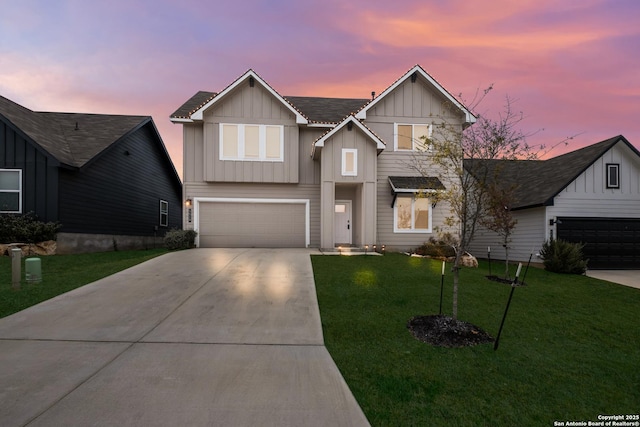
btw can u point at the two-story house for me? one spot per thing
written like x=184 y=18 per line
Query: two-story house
x=266 y=170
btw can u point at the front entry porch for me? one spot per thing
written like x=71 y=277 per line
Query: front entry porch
x=348 y=219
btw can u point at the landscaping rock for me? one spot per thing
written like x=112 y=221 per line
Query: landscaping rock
x=42 y=248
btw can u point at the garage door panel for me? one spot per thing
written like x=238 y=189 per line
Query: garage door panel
x=232 y=224
x=609 y=242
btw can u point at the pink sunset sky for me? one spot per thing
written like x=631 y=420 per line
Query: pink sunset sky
x=573 y=66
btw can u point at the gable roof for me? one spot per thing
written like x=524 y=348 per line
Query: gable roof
x=197 y=113
x=350 y=120
x=538 y=182
x=416 y=71
x=74 y=139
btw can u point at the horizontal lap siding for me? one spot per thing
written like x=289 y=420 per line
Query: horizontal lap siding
x=120 y=194
x=409 y=103
x=394 y=164
x=528 y=237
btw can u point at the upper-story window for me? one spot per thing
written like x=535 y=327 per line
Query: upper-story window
x=409 y=137
x=10 y=190
x=349 y=162
x=613 y=175
x=262 y=143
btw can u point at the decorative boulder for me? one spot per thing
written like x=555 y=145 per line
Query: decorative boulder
x=468 y=260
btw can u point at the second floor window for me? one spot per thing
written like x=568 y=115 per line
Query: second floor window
x=409 y=137
x=349 y=162
x=264 y=143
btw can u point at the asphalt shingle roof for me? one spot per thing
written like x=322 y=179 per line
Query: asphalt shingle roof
x=72 y=138
x=537 y=182
x=326 y=110
x=315 y=109
x=193 y=104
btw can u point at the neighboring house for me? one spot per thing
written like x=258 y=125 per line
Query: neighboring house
x=591 y=195
x=265 y=170
x=107 y=179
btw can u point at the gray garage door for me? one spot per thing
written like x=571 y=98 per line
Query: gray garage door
x=609 y=242
x=251 y=225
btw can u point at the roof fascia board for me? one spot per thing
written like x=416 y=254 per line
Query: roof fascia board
x=198 y=115
x=321 y=125
x=379 y=144
x=470 y=118
x=180 y=120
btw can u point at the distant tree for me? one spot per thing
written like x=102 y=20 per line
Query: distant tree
x=499 y=217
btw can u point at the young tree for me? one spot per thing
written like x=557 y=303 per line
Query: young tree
x=499 y=217
x=453 y=150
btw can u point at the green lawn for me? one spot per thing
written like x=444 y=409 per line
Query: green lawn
x=62 y=273
x=569 y=351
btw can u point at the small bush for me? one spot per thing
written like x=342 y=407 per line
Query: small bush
x=26 y=229
x=436 y=248
x=563 y=257
x=180 y=239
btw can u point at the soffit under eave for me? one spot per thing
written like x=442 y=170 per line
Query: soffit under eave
x=369 y=134
x=198 y=115
x=418 y=71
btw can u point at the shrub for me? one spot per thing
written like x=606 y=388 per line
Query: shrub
x=180 y=239
x=561 y=256
x=436 y=248
x=26 y=229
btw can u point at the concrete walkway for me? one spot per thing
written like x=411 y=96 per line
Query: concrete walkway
x=205 y=337
x=622 y=277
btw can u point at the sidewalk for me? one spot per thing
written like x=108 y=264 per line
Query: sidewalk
x=622 y=277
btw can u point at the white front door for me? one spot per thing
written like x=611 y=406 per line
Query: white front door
x=342 y=222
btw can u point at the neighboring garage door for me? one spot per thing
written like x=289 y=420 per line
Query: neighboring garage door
x=251 y=225
x=610 y=242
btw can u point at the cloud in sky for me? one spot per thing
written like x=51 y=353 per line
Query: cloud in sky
x=571 y=65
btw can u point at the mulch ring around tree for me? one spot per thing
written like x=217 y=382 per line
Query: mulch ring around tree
x=505 y=281
x=444 y=331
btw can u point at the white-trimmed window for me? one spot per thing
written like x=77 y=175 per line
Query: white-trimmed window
x=412 y=214
x=10 y=190
x=164 y=213
x=261 y=143
x=409 y=137
x=613 y=175
x=349 y=162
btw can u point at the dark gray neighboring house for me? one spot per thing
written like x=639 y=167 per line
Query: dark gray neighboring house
x=108 y=179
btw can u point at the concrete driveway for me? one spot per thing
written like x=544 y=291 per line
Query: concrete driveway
x=228 y=337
